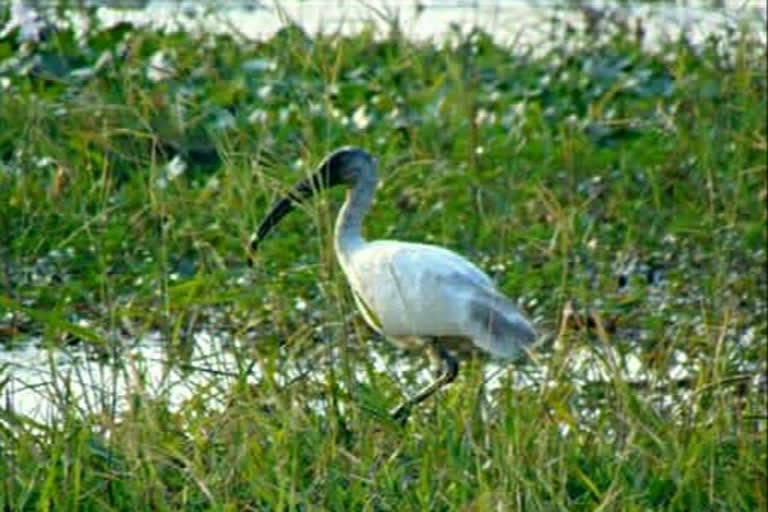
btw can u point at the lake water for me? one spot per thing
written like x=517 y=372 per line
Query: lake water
x=508 y=21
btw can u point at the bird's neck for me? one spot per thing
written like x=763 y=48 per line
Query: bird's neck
x=349 y=223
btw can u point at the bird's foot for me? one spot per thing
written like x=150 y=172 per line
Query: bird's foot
x=401 y=413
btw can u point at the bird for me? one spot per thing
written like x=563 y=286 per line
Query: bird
x=417 y=296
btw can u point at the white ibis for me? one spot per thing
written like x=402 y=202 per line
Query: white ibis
x=415 y=295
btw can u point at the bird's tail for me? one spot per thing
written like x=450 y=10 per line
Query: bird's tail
x=500 y=328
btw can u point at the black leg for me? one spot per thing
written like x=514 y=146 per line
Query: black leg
x=449 y=369
x=450 y=365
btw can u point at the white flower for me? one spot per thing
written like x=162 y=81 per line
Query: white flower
x=259 y=115
x=159 y=67
x=360 y=118
x=175 y=167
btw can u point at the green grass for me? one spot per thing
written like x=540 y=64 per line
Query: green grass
x=626 y=184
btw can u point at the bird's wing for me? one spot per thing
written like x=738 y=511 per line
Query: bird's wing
x=425 y=290
x=440 y=264
x=414 y=288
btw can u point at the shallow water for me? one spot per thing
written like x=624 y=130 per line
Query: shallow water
x=517 y=23
x=39 y=382
x=42 y=381
x=512 y=22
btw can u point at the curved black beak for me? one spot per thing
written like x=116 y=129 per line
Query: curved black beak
x=282 y=207
x=330 y=172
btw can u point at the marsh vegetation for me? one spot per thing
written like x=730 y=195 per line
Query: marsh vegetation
x=617 y=192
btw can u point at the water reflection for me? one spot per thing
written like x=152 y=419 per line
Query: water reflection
x=41 y=382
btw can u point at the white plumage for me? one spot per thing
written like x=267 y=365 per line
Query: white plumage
x=415 y=295
x=425 y=290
